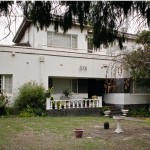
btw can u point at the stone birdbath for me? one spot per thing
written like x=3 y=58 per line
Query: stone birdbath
x=118 y=119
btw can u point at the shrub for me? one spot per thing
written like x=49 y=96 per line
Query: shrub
x=139 y=112
x=31 y=95
x=11 y=111
x=3 y=102
x=27 y=112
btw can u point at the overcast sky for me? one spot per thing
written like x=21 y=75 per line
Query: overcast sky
x=132 y=27
x=4 y=31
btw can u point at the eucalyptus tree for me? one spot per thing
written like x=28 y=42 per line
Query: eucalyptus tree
x=104 y=17
x=139 y=60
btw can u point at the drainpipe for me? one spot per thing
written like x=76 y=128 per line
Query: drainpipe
x=33 y=36
x=41 y=69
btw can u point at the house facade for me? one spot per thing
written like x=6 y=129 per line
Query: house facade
x=65 y=62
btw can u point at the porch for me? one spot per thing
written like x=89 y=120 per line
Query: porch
x=74 y=107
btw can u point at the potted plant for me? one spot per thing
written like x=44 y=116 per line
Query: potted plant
x=49 y=92
x=62 y=105
x=58 y=105
x=53 y=103
x=66 y=92
x=106 y=110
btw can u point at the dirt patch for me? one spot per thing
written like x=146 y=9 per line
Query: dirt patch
x=59 y=135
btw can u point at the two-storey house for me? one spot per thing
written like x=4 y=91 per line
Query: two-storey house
x=64 y=61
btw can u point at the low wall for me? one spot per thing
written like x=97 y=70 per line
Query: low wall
x=75 y=112
x=126 y=98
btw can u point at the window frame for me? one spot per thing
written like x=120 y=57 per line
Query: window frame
x=69 y=35
x=72 y=80
x=4 y=86
x=138 y=89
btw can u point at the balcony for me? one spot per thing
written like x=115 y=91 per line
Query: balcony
x=73 y=107
x=73 y=103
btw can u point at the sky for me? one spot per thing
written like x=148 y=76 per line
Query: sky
x=4 y=31
x=13 y=22
x=132 y=26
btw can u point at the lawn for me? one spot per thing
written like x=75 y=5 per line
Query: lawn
x=56 y=133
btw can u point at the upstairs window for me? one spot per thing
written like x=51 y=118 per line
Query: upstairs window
x=90 y=42
x=61 y=40
x=6 y=84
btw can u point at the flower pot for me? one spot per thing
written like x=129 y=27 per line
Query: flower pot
x=124 y=111
x=78 y=133
x=107 y=112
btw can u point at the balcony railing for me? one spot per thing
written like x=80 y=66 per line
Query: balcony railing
x=73 y=103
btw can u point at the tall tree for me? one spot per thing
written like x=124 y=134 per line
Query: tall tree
x=105 y=17
x=139 y=61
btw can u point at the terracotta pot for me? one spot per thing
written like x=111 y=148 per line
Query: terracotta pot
x=78 y=133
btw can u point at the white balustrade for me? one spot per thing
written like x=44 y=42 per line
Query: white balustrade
x=73 y=103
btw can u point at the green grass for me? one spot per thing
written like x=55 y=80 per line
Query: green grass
x=56 y=133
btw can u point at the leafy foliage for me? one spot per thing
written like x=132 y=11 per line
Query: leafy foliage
x=31 y=96
x=139 y=61
x=28 y=112
x=49 y=92
x=4 y=6
x=105 y=17
x=139 y=112
x=3 y=102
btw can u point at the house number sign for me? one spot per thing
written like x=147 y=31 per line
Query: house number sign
x=84 y=68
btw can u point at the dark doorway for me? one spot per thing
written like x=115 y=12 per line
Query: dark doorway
x=95 y=87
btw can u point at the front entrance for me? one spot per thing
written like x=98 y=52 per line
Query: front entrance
x=95 y=87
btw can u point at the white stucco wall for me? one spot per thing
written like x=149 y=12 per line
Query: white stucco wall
x=25 y=65
x=126 y=98
x=38 y=39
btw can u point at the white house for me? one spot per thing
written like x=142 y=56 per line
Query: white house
x=63 y=61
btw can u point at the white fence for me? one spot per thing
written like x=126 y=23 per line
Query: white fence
x=73 y=103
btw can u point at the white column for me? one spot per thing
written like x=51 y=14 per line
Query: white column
x=85 y=104
x=73 y=104
x=47 y=103
x=99 y=101
x=65 y=105
x=81 y=103
x=68 y=104
x=41 y=68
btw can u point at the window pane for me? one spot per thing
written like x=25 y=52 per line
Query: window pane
x=8 y=83
x=60 y=40
x=82 y=86
x=90 y=42
x=49 y=39
x=75 y=85
x=74 y=42
x=50 y=82
x=1 y=81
